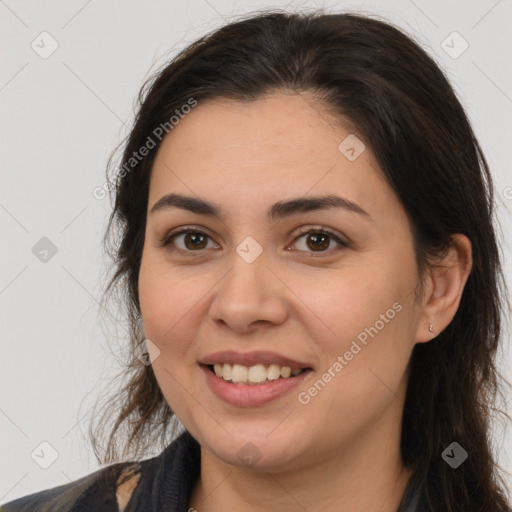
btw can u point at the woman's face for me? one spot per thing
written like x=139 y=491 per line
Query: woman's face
x=254 y=288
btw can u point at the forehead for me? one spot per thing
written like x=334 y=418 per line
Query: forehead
x=274 y=120
x=282 y=145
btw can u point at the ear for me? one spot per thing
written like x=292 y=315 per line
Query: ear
x=444 y=287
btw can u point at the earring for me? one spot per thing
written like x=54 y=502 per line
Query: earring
x=430 y=327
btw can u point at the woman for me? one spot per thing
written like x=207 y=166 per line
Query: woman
x=310 y=261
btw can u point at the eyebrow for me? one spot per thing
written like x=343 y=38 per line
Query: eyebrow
x=277 y=211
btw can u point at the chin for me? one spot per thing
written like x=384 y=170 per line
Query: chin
x=254 y=449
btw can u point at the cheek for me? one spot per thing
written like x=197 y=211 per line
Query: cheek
x=367 y=316
x=154 y=301
x=164 y=306
x=355 y=299
x=164 y=298
x=171 y=311
x=364 y=361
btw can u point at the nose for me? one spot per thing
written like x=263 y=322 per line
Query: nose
x=250 y=294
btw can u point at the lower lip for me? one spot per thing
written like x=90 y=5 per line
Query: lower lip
x=246 y=395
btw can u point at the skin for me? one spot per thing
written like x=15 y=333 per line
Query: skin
x=341 y=448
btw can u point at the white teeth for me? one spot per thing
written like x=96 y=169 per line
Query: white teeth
x=239 y=373
x=256 y=374
x=273 y=372
x=286 y=371
x=226 y=371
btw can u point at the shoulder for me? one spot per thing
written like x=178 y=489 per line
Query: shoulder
x=60 y=498
x=83 y=494
x=121 y=487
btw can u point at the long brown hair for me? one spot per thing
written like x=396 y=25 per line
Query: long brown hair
x=400 y=103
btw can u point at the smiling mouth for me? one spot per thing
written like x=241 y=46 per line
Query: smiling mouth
x=254 y=375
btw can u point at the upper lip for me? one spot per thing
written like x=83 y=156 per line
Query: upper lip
x=252 y=358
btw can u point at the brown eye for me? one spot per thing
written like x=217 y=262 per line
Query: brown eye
x=319 y=240
x=186 y=240
x=194 y=240
x=316 y=241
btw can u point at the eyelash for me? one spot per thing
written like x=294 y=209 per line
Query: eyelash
x=167 y=240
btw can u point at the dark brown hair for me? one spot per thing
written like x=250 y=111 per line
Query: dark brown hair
x=373 y=76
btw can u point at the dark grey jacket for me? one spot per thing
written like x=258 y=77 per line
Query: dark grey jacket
x=160 y=484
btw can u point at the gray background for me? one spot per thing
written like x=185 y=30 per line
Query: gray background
x=62 y=116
